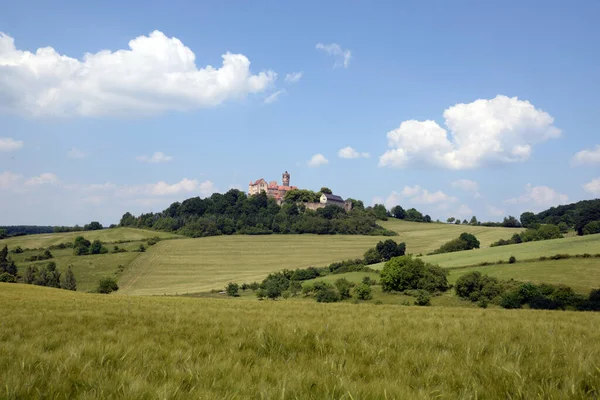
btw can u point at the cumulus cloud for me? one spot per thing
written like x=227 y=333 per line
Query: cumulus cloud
x=293 y=77
x=467 y=186
x=9 y=144
x=342 y=57
x=75 y=153
x=43 y=179
x=157 y=157
x=587 y=157
x=185 y=186
x=539 y=197
x=349 y=152
x=418 y=196
x=502 y=129
x=317 y=160
x=495 y=211
x=463 y=211
x=272 y=98
x=593 y=187
x=155 y=74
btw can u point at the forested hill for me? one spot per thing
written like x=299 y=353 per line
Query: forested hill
x=577 y=215
x=235 y=212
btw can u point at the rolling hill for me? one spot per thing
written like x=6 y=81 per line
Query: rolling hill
x=73 y=345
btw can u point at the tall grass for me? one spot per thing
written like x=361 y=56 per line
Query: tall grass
x=55 y=344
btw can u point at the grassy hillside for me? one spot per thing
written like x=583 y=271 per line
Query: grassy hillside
x=104 y=235
x=193 y=265
x=424 y=238
x=571 y=245
x=69 y=345
x=581 y=274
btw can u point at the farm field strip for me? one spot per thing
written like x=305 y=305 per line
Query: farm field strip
x=142 y=347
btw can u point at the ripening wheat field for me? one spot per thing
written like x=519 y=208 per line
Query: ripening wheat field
x=58 y=344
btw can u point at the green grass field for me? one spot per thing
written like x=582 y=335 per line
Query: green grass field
x=523 y=251
x=104 y=235
x=582 y=274
x=424 y=238
x=59 y=344
x=195 y=265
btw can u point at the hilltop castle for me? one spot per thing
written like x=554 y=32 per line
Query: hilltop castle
x=272 y=189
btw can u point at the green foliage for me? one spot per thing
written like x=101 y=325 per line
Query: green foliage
x=466 y=241
x=423 y=298
x=53 y=277
x=511 y=222
x=260 y=293
x=5 y=277
x=413 y=215
x=390 y=249
x=592 y=228
x=407 y=273
x=363 y=291
x=81 y=246
x=327 y=294
x=70 y=282
x=7 y=265
x=107 y=285
x=96 y=247
x=380 y=212
x=563 y=227
x=93 y=226
x=528 y=219
x=512 y=260
x=232 y=289
x=141 y=248
x=326 y=190
x=372 y=256
x=535 y=233
x=398 y=212
x=343 y=287
x=274 y=284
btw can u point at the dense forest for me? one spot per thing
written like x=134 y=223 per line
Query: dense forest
x=583 y=216
x=22 y=230
x=235 y=212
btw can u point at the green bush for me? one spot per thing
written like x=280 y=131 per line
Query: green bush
x=512 y=260
x=592 y=228
x=406 y=273
x=423 y=298
x=327 y=295
x=511 y=300
x=343 y=287
x=107 y=285
x=232 y=289
x=465 y=241
x=363 y=292
x=7 y=278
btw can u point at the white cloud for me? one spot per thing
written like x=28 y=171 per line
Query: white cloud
x=418 y=196
x=589 y=157
x=463 y=211
x=155 y=74
x=317 y=160
x=157 y=157
x=349 y=152
x=43 y=179
x=185 y=186
x=593 y=187
x=293 y=77
x=495 y=211
x=342 y=57
x=539 y=197
x=9 y=144
x=8 y=180
x=75 y=153
x=272 y=98
x=378 y=200
x=502 y=129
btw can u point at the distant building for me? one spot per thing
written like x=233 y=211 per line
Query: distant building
x=328 y=199
x=272 y=189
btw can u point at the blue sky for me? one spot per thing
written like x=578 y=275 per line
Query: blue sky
x=464 y=107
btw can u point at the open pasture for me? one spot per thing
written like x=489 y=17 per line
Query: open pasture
x=104 y=235
x=73 y=345
x=195 y=265
x=423 y=238
x=522 y=251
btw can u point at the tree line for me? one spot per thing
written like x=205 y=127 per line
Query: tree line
x=235 y=212
x=583 y=216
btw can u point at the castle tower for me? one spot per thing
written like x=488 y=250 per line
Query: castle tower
x=286 y=179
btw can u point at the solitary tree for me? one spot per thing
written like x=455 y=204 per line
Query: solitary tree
x=70 y=283
x=232 y=289
x=451 y=220
x=326 y=190
x=398 y=212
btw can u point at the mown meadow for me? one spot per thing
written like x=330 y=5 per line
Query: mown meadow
x=60 y=344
